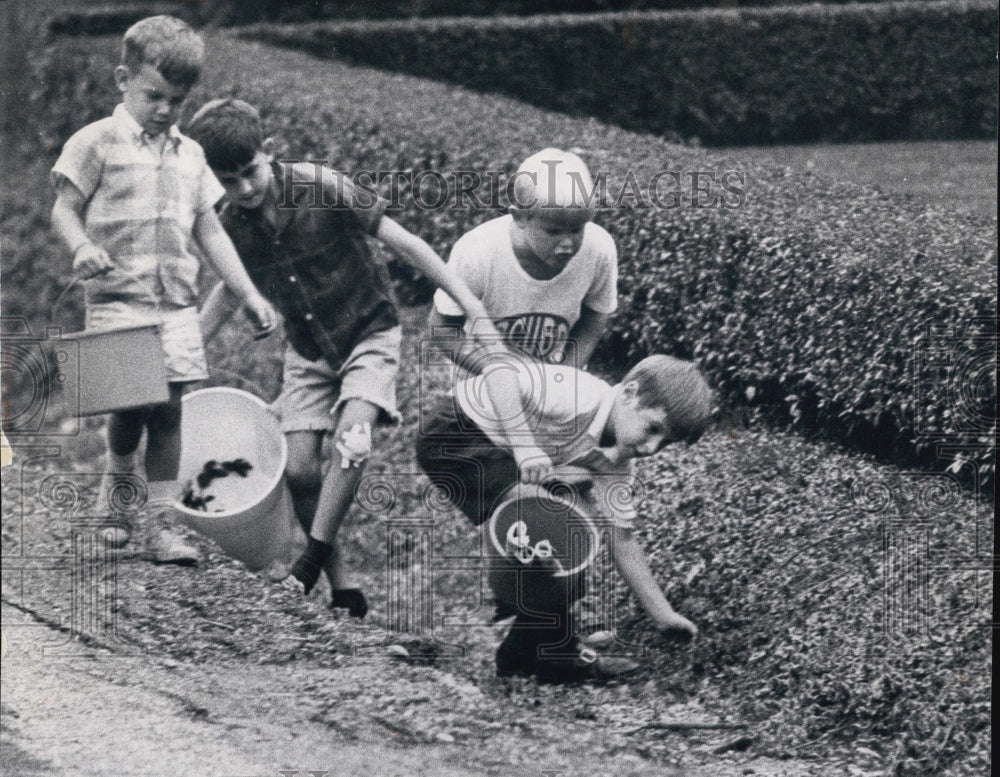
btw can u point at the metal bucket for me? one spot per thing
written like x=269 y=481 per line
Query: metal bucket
x=120 y=369
x=116 y=369
x=540 y=544
x=251 y=518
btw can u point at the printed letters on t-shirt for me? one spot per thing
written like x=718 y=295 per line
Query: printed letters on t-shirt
x=537 y=334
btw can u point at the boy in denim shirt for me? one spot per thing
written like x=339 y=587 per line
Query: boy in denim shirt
x=301 y=232
x=132 y=193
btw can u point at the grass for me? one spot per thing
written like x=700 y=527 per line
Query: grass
x=959 y=176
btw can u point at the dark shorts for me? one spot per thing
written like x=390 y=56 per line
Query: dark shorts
x=458 y=457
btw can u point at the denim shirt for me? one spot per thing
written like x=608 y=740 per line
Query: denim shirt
x=318 y=270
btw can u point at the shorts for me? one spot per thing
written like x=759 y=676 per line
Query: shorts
x=180 y=334
x=461 y=459
x=313 y=392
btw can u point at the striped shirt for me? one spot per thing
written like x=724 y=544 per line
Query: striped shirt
x=143 y=196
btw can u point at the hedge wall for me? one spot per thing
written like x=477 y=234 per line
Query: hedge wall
x=839 y=310
x=917 y=70
x=249 y=11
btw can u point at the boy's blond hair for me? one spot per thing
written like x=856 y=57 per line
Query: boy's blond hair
x=551 y=179
x=677 y=387
x=167 y=44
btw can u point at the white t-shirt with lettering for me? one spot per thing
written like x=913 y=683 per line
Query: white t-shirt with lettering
x=532 y=315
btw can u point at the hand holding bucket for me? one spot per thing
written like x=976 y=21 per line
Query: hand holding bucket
x=121 y=368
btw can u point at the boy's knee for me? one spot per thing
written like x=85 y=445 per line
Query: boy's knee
x=303 y=472
x=353 y=441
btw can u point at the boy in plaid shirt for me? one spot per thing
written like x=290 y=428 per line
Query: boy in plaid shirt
x=301 y=230
x=132 y=193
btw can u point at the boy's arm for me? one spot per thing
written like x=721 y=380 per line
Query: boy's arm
x=67 y=222
x=584 y=336
x=504 y=392
x=419 y=255
x=634 y=569
x=218 y=308
x=447 y=337
x=218 y=249
x=501 y=383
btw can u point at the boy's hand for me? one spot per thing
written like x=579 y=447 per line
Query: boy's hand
x=676 y=628
x=533 y=464
x=484 y=331
x=90 y=261
x=263 y=316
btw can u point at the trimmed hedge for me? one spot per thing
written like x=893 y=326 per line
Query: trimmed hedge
x=235 y=12
x=916 y=70
x=109 y=19
x=834 y=308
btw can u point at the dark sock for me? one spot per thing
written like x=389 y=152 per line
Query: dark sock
x=309 y=565
x=352 y=599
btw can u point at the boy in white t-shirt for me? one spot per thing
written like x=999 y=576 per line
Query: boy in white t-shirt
x=547 y=275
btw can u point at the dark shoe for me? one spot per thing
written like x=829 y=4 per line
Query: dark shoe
x=585 y=666
x=351 y=599
x=503 y=611
x=514 y=657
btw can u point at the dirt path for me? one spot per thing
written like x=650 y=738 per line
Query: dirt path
x=73 y=709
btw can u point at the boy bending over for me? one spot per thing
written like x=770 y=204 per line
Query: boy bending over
x=481 y=438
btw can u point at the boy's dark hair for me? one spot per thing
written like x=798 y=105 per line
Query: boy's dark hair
x=679 y=388
x=230 y=132
x=167 y=44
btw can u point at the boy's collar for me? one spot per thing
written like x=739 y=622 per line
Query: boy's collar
x=134 y=131
x=596 y=428
x=269 y=207
x=268 y=211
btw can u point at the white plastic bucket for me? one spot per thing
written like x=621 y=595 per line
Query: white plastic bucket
x=250 y=518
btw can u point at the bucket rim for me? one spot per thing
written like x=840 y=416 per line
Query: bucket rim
x=91 y=333
x=520 y=491
x=272 y=484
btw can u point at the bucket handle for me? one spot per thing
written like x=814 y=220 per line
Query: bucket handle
x=77 y=279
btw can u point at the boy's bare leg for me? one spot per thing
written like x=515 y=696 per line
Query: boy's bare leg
x=124 y=433
x=304 y=474
x=163 y=446
x=163 y=460
x=353 y=435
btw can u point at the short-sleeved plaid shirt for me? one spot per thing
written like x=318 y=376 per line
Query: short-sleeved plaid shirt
x=141 y=207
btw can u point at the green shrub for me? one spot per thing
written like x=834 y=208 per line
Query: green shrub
x=834 y=308
x=110 y=19
x=791 y=74
x=235 y=12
